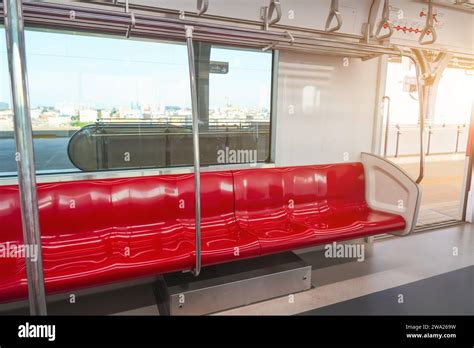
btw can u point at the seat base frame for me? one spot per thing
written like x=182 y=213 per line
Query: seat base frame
x=230 y=285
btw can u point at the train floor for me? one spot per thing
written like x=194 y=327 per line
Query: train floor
x=441 y=199
x=435 y=267
x=389 y=263
x=450 y=293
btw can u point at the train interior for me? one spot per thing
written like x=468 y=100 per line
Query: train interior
x=236 y=158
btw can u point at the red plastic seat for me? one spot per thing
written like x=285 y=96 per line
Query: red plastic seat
x=221 y=238
x=294 y=207
x=101 y=231
x=85 y=238
x=97 y=232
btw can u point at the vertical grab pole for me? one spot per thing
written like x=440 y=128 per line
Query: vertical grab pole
x=197 y=178
x=387 y=98
x=14 y=30
x=422 y=101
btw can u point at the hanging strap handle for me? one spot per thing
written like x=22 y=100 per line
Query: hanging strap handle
x=266 y=13
x=429 y=27
x=202 y=6
x=385 y=23
x=334 y=13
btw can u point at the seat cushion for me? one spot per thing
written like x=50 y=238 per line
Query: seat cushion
x=279 y=235
x=352 y=224
x=227 y=244
x=283 y=235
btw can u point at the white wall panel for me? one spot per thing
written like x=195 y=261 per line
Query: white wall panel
x=324 y=109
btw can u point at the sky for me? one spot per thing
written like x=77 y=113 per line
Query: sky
x=113 y=72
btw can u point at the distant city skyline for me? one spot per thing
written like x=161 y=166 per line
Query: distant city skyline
x=71 y=116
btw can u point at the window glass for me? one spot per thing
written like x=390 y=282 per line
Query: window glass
x=242 y=97
x=103 y=103
x=7 y=140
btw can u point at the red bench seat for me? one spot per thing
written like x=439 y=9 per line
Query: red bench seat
x=295 y=207
x=98 y=232
x=102 y=231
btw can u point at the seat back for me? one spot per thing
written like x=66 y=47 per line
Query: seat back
x=117 y=204
x=297 y=192
x=217 y=199
x=89 y=225
x=10 y=215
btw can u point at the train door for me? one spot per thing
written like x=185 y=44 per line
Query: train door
x=445 y=168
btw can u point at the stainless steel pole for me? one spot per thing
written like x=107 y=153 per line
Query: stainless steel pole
x=386 y=125
x=197 y=178
x=14 y=29
x=422 y=101
x=419 y=63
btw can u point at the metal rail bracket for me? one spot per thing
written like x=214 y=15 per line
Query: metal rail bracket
x=131 y=26
x=291 y=37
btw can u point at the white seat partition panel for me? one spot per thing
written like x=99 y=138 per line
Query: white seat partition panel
x=390 y=189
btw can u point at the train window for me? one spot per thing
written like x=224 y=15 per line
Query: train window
x=239 y=105
x=7 y=141
x=105 y=103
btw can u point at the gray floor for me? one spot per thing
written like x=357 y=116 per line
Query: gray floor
x=450 y=293
x=389 y=263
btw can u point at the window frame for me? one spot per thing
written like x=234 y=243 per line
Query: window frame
x=65 y=175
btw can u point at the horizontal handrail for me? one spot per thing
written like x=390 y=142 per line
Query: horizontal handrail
x=145 y=25
x=166 y=134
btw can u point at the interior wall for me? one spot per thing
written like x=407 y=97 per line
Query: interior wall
x=325 y=109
